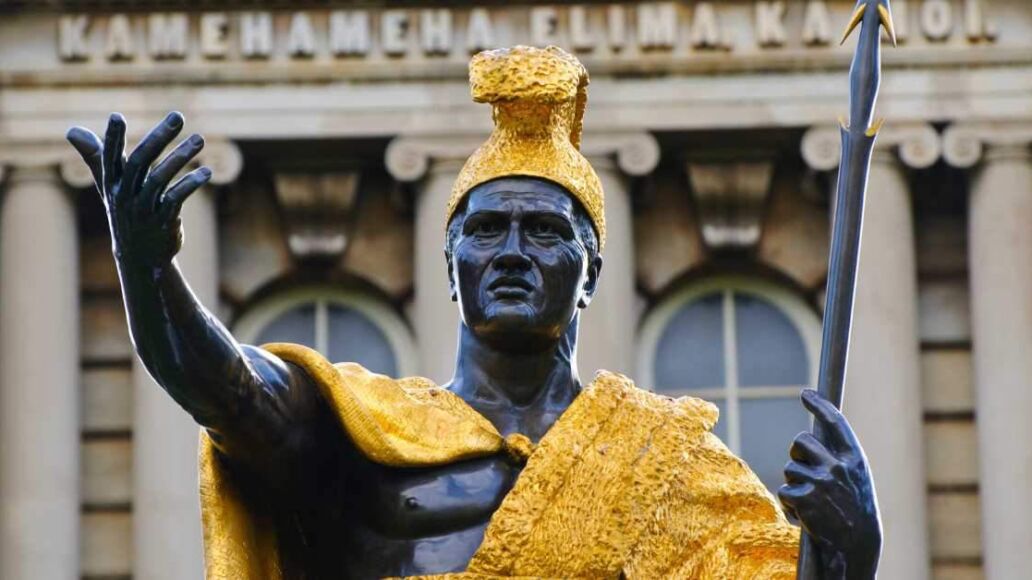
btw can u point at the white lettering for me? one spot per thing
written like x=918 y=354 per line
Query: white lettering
x=705 y=28
x=214 y=28
x=301 y=36
x=349 y=33
x=394 y=26
x=582 y=27
x=937 y=19
x=119 y=44
x=657 y=25
x=479 y=31
x=770 y=25
x=616 y=27
x=581 y=37
x=816 y=24
x=977 y=26
x=435 y=31
x=167 y=34
x=256 y=34
x=71 y=37
x=544 y=22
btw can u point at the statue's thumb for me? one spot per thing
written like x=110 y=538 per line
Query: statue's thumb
x=89 y=147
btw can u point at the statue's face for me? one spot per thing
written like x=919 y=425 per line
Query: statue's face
x=519 y=268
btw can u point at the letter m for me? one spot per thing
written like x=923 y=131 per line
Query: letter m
x=657 y=25
x=167 y=35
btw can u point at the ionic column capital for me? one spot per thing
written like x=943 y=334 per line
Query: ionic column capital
x=410 y=157
x=221 y=155
x=40 y=159
x=966 y=144
x=917 y=145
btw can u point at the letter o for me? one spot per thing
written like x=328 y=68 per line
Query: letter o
x=937 y=19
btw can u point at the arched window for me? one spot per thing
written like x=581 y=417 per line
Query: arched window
x=343 y=326
x=747 y=346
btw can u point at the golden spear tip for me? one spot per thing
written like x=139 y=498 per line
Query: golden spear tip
x=873 y=129
x=886 y=20
x=854 y=22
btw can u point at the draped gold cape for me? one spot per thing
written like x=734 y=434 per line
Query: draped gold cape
x=626 y=482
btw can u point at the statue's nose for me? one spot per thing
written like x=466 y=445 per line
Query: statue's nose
x=511 y=256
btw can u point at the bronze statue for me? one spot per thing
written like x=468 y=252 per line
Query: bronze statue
x=515 y=467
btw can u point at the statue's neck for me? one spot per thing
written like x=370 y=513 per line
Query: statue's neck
x=486 y=376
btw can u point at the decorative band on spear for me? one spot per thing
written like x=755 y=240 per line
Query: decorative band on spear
x=858 y=136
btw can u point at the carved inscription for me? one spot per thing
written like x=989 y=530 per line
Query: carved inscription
x=652 y=27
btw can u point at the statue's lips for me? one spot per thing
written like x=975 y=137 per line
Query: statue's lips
x=511 y=287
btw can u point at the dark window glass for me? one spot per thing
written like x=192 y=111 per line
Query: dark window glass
x=768 y=427
x=770 y=349
x=354 y=338
x=296 y=325
x=689 y=354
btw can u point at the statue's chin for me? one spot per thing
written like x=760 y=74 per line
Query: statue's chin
x=516 y=328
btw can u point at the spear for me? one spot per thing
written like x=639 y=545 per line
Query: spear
x=858 y=136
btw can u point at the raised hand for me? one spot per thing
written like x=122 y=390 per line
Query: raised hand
x=143 y=210
x=830 y=490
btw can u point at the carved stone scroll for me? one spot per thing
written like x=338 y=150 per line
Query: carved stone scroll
x=964 y=143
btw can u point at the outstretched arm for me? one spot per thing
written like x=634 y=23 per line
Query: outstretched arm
x=246 y=397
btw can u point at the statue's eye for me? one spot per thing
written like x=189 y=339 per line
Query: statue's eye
x=542 y=228
x=485 y=228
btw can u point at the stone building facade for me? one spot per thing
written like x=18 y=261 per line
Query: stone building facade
x=335 y=130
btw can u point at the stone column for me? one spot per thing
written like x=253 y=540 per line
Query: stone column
x=166 y=509
x=606 y=338
x=607 y=333
x=39 y=376
x=435 y=317
x=1000 y=262
x=883 y=383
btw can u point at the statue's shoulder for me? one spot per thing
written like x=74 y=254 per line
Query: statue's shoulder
x=690 y=413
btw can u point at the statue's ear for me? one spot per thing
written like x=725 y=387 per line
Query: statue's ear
x=591 y=284
x=452 y=293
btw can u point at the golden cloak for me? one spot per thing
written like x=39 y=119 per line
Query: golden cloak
x=626 y=482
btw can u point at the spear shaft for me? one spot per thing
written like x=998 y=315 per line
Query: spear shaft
x=858 y=136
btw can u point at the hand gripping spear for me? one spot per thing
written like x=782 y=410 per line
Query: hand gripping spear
x=858 y=136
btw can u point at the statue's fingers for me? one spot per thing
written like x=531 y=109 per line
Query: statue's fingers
x=796 y=472
x=90 y=149
x=114 y=150
x=152 y=144
x=807 y=449
x=176 y=195
x=794 y=495
x=835 y=427
x=172 y=164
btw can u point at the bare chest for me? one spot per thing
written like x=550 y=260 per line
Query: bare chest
x=424 y=521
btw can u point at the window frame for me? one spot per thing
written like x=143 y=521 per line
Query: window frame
x=395 y=330
x=800 y=314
